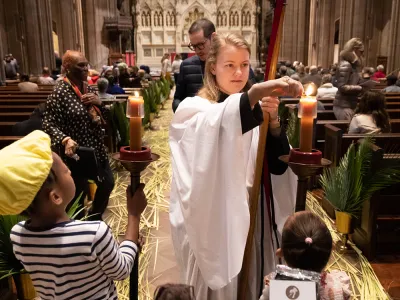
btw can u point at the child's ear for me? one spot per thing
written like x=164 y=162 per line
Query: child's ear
x=279 y=252
x=213 y=69
x=55 y=197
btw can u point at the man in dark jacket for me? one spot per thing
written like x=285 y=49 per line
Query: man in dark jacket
x=190 y=79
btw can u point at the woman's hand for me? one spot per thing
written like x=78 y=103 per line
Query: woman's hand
x=91 y=98
x=270 y=105
x=284 y=86
x=70 y=147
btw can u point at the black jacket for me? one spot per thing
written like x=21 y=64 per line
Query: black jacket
x=190 y=80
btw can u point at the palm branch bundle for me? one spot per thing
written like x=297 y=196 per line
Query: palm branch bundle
x=354 y=181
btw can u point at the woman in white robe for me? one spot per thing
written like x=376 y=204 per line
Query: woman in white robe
x=213 y=140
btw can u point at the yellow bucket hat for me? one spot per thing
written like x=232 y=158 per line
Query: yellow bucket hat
x=24 y=166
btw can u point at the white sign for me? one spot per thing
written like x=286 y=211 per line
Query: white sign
x=292 y=290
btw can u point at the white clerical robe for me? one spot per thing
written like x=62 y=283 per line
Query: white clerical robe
x=213 y=166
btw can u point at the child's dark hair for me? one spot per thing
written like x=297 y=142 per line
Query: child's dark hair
x=174 y=292
x=44 y=190
x=306 y=242
x=374 y=103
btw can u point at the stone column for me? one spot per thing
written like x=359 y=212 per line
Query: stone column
x=394 y=37
x=38 y=35
x=295 y=31
x=353 y=20
x=322 y=30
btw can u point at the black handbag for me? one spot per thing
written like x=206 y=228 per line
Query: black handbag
x=85 y=164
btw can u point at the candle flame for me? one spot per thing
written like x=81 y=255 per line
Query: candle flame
x=136 y=93
x=310 y=90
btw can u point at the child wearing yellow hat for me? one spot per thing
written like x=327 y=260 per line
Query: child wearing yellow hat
x=66 y=259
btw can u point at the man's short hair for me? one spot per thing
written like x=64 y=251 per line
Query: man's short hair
x=102 y=84
x=46 y=71
x=24 y=77
x=313 y=70
x=327 y=78
x=203 y=24
x=391 y=80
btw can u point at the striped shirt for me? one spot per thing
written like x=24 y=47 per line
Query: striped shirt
x=73 y=260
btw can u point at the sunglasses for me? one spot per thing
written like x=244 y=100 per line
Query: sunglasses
x=199 y=46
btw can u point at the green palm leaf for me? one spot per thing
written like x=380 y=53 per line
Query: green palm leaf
x=354 y=181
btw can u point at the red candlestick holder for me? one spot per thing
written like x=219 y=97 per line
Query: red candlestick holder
x=135 y=162
x=304 y=165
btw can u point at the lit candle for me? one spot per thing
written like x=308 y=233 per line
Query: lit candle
x=135 y=113
x=307 y=113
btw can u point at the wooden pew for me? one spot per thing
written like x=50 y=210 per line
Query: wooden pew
x=6 y=128
x=7 y=140
x=17 y=108
x=344 y=126
x=337 y=143
x=14 y=116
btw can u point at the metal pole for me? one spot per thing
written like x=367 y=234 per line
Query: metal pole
x=134 y=277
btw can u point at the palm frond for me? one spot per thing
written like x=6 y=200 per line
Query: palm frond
x=9 y=264
x=353 y=181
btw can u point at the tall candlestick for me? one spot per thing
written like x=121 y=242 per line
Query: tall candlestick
x=307 y=113
x=135 y=113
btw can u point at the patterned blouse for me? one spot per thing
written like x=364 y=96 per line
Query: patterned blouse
x=65 y=115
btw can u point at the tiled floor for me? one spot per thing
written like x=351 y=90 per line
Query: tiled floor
x=166 y=269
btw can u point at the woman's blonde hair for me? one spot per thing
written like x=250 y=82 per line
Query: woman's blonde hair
x=210 y=89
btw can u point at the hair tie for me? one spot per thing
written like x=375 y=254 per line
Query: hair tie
x=308 y=240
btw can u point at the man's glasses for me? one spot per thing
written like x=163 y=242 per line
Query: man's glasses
x=199 y=46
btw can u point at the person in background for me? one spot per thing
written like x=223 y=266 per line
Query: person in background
x=367 y=82
x=295 y=77
x=58 y=60
x=290 y=70
x=102 y=85
x=191 y=74
x=174 y=292
x=392 y=86
x=283 y=71
x=14 y=62
x=326 y=90
x=307 y=245
x=165 y=64
x=133 y=71
x=33 y=123
x=332 y=70
x=300 y=70
x=36 y=183
x=259 y=75
x=125 y=80
x=347 y=75
x=74 y=117
x=54 y=74
x=379 y=74
x=113 y=88
x=370 y=116
x=307 y=70
x=176 y=65
x=147 y=75
x=46 y=78
x=94 y=76
x=26 y=86
x=10 y=68
x=313 y=77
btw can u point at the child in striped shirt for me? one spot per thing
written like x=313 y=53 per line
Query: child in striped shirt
x=66 y=259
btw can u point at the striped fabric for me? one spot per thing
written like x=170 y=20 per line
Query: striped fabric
x=73 y=260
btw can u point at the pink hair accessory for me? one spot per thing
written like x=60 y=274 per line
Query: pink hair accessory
x=308 y=240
